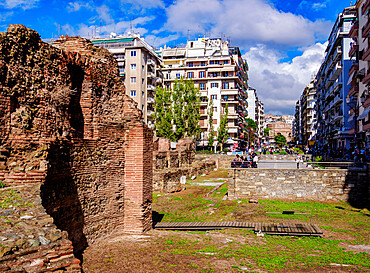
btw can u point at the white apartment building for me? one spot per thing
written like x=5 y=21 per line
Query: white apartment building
x=255 y=111
x=359 y=75
x=139 y=66
x=220 y=73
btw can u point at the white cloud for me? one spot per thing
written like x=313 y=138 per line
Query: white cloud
x=156 y=41
x=144 y=4
x=279 y=84
x=23 y=4
x=121 y=27
x=244 y=20
x=76 y=6
x=305 y=4
x=105 y=14
x=5 y=15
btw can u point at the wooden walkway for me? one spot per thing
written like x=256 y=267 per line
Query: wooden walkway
x=290 y=229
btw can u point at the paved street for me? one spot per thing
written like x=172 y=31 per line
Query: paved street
x=280 y=164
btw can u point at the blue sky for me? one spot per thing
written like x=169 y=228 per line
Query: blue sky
x=283 y=41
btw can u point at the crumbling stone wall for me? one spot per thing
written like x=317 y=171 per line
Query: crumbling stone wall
x=66 y=124
x=318 y=184
x=171 y=165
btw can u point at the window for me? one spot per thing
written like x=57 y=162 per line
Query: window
x=217 y=62
x=190 y=75
x=133 y=79
x=214 y=85
x=121 y=70
x=178 y=76
x=133 y=66
x=133 y=53
x=225 y=85
x=202 y=63
x=214 y=97
x=211 y=62
x=224 y=74
x=202 y=86
x=226 y=62
x=190 y=64
x=213 y=74
x=214 y=109
x=133 y=93
x=224 y=98
x=142 y=93
x=202 y=74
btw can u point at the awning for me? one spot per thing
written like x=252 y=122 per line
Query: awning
x=350 y=118
x=350 y=78
x=364 y=113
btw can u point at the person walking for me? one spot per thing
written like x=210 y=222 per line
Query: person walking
x=255 y=161
x=298 y=160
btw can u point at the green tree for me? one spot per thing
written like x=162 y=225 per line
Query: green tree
x=177 y=112
x=222 y=134
x=251 y=128
x=162 y=116
x=280 y=140
x=266 y=131
x=211 y=135
x=251 y=124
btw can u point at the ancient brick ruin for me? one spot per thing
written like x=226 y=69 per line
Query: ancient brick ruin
x=73 y=148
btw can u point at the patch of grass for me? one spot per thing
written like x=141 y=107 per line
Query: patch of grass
x=10 y=198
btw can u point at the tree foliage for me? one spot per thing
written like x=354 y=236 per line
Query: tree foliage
x=222 y=134
x=266 y=131
x=177 y=111
x=211 y=135
x=251 y=124
x=280 y=140
x=163 y=113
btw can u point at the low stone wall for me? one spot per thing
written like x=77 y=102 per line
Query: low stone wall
x=29 y=239
x=319 y=185
x=168 y=180
x=282 y=157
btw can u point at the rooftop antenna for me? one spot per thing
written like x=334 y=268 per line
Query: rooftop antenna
x=131 y=26
x=100 y=28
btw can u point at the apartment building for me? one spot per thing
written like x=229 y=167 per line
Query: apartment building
x=255 y=109
x=333 y=131
x=220 y=73
x=359 y=75
x=304 y=126
x=139 y=66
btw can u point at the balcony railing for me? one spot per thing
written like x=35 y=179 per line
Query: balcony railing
x=354 y=68
x=366 y=30
x=366 y=56
x=353 y=90
x=353 y=50
x=354 y=30
x=366 y=79
x=365 y=7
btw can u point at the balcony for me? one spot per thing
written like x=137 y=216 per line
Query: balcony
x=354 y=68
x=353 y=50
x=150 y=75
x=150 y=87
x=150 y=100
x=365 y=7
x=366 y=79
x=337 y=53
x=366 y=56
x=151 y=62
x=354 y=30
x=366 y=30
x=353 y=90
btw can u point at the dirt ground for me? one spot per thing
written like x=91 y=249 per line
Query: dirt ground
x=345 y=245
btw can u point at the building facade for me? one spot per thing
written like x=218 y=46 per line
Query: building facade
x=255 y=109
x=220 y=73
x=305 y=123
x=333 y=130
x=359 y=76
x=140 y=68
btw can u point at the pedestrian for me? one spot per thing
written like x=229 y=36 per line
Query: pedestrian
x=297 y=160
x=255 y=161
